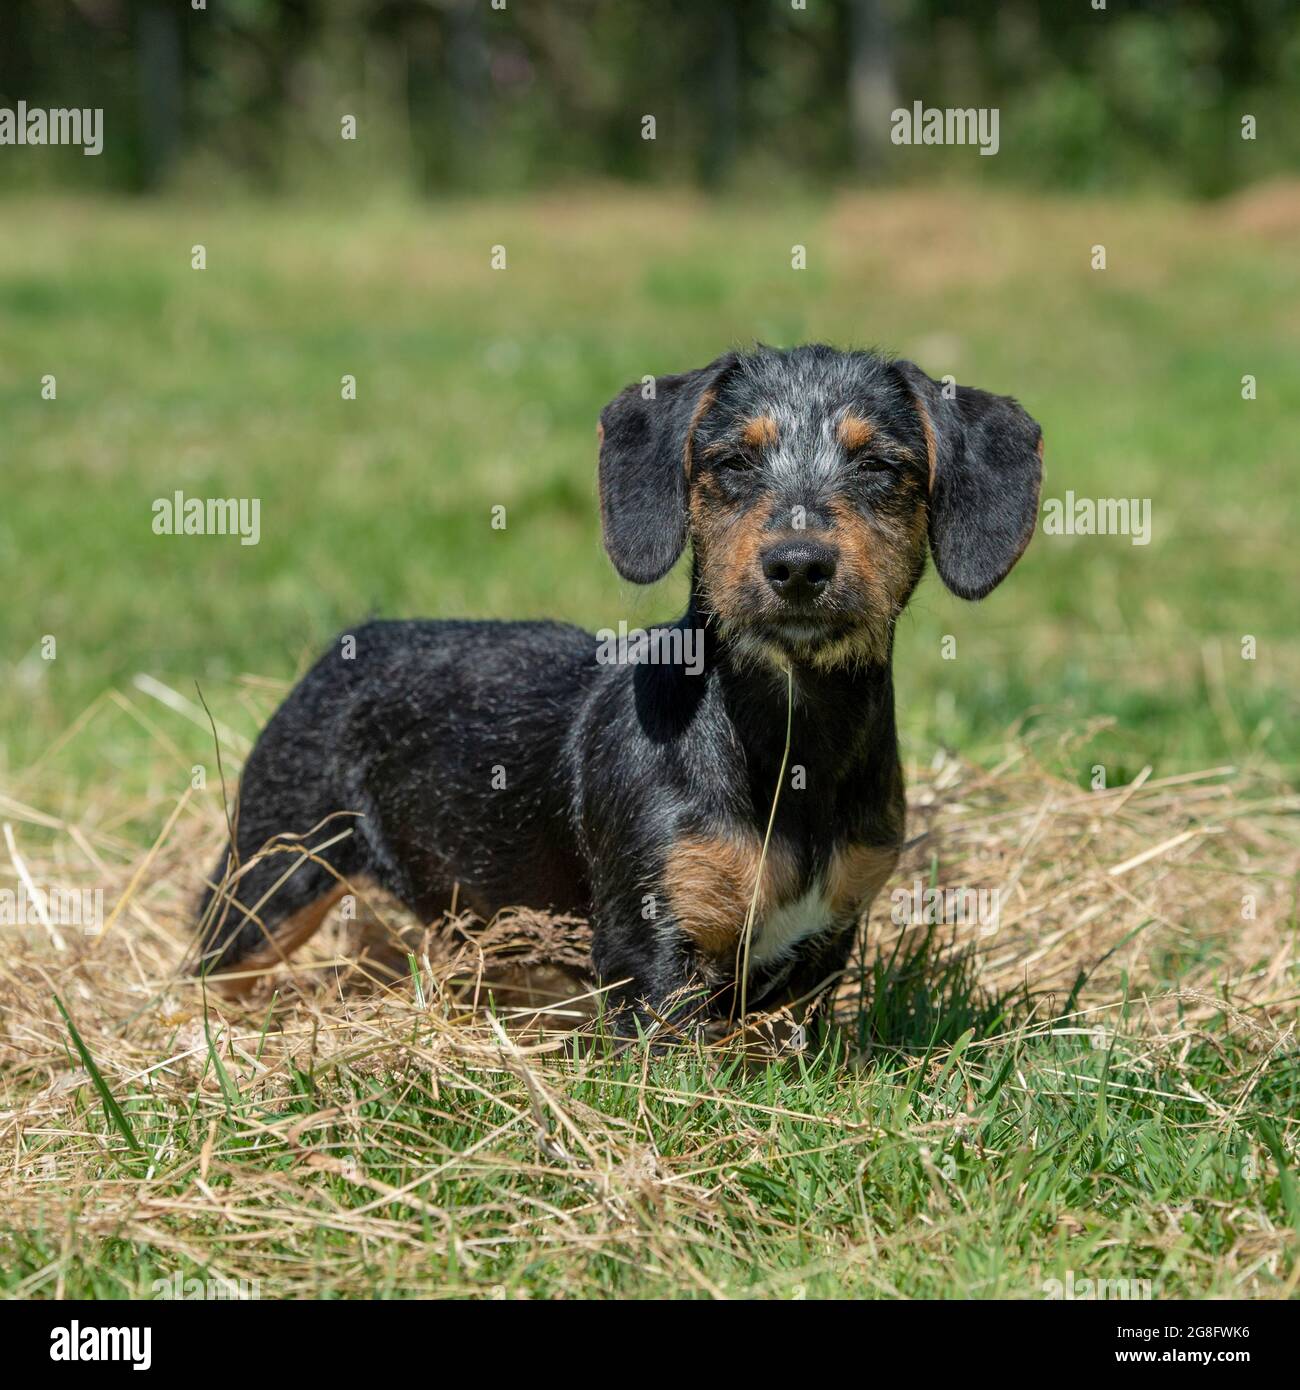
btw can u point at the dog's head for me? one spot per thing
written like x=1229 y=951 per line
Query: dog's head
x=809 y=483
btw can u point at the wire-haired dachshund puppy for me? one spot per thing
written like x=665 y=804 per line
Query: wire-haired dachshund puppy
x=515 y=764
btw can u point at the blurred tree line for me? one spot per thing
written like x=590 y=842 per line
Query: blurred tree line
x=460 y=94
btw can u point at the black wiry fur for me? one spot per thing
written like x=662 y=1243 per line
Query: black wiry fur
x=505 y=764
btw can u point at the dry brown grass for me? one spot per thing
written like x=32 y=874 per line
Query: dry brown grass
x=1131 y=888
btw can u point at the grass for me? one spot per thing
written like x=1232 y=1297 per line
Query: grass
x=479 y=388
x=1103 y=1087
x=691 y=1181
x=1105 y=1084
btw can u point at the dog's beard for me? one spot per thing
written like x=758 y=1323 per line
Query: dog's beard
x=809 y=641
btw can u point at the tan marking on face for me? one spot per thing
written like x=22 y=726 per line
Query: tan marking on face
x=879 y=557
x=855 y=432
x=858 y=546
x=727 y=543
x=927 y=428
x=702 y=408
x=855 y=875
x=758 y=432
x=710 y=881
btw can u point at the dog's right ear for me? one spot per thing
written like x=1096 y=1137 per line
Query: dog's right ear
x=645 y=440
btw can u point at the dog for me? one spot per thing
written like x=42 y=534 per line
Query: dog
x=501 y=764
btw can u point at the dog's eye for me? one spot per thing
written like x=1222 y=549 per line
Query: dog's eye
x=736 y=463
x=874 y=463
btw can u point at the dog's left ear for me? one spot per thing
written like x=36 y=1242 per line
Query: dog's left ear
x=644 y=460
x=986 y=466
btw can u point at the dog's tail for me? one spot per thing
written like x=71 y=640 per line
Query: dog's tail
x=294 y=844
x=261 y=903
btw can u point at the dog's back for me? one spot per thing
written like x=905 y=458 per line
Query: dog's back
x=427 y=756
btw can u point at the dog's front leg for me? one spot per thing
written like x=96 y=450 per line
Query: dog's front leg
x=656 y=981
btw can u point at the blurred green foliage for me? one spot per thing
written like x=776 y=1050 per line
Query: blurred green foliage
x=457 y=94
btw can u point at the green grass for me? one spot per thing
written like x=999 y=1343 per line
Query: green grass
x=937 y=1167
x=479 y=388
x=955 y=1139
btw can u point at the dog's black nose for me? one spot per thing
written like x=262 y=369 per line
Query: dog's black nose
x=799 y=570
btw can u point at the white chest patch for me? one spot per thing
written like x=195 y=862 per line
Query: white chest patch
x=776 y=936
